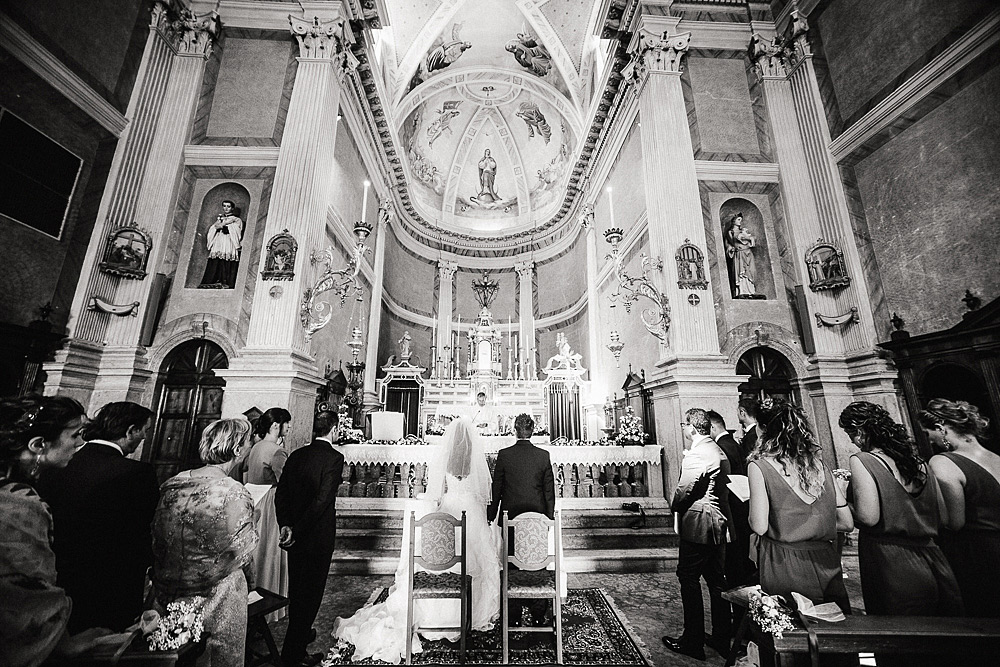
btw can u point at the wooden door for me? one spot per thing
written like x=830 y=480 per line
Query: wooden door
x=190 y=398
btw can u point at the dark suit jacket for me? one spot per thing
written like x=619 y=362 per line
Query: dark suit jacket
x=523 y=482
x=102 y=507
x=737 y=460
x=749 y=442
x=306 y=497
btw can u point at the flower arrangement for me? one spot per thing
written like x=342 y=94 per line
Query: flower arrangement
x=630 y=429
x=183 y=623
x=771 y=614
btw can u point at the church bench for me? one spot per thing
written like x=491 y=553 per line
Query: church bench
x=924 y=635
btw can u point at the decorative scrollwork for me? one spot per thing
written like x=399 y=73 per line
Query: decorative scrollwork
x=315 y=314
x=630 y=288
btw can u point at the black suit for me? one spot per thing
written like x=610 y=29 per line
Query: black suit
x=523 y=482
x=749 y=441
x=305 y=500
x=739 y=568
x=102 y=506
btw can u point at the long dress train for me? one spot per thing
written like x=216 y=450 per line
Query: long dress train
x=377 y=631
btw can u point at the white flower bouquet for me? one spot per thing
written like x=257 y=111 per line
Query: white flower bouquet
x=183 y=623
x=771 y=614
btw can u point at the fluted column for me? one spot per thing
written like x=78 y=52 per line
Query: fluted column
x=831 y=201
x=673 y=203
x=526 y=315
x=375 y=308
x=276 y=362
x=446 y=277
x=75 y=370
x=593 y=406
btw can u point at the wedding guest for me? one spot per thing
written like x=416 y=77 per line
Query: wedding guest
x=204 y=539
x=796 y=509
x=700 y=505
x=747 y=413
x=740 y=570
x=970 y=482
x=267 y=457
x=899 y=509
x=36 y=434
x=306 y=507
x=102 y=504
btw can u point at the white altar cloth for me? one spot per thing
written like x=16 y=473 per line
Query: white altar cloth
x=579 y=454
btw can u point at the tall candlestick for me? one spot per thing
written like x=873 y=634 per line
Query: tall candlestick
x=611 y=206
x=364 y=203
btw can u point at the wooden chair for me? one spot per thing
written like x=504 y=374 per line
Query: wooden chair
x=257 y=628
x=438 y=553
x=529 y=579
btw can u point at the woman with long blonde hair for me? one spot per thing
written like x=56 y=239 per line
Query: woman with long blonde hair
x=796 y=509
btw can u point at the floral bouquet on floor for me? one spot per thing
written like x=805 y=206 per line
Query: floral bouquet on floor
x=771 y=614
x=183 y=623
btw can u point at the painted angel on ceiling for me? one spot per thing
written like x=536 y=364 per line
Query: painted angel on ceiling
x=448 y=112
x=533 y=118
x=443 y=53
x=530 y=53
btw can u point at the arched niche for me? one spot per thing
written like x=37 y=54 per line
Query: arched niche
x=771 y=374
x=746 y=252
x=208 y=213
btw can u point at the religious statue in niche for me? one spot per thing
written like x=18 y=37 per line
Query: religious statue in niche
x=280 y=261
x=225 y=241
x=126 y=253
x=825 y=262
x=739 y=258
x=690 y=267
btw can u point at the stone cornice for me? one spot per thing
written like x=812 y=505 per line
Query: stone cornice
x=983 y=36
x=568 y=313
x=745 y=172
x=51 y=70
x=231 y=156
x=269 y=15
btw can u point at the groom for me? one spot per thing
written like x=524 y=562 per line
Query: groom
x=523 y=482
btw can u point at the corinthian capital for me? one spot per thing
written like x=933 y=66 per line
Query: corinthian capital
x=770 y=58
x=587 y=217
x=446 y=270
x=524 y=269
x=187 y=33
x=657 y=53
x=324 y=40
x=798 y=37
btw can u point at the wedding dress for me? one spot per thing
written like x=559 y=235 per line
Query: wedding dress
x=378 y=631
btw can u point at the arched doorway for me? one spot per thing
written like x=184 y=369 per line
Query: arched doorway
x=771 y=374
x=189 y=397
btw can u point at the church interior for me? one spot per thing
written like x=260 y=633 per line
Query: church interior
x=600 y=213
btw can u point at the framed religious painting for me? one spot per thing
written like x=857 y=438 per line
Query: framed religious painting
x=825 y=262
x=280 y=261
x=126 y=253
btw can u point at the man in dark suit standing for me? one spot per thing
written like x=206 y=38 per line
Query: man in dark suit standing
x=740 y=569
x=748 y=412
x=700 y=506
x=523 y=482
x=102 y=507
x=305 y=504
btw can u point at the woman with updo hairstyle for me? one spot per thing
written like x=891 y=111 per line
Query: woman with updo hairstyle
x=204 y=539
x=969 y=475
x=898 y=506
x=36 y=433
x=796 y=509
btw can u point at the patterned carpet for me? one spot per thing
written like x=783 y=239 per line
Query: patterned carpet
x=594 y=633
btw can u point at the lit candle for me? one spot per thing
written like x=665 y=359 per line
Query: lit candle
x=611 y=206
x=364 y=204
x=510 y=330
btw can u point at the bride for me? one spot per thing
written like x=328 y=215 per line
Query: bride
x=458 y=479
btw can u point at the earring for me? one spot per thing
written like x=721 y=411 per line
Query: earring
x=33 y=473
x=945 y=442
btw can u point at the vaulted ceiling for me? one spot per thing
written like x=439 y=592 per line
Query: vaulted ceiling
x=491 y=102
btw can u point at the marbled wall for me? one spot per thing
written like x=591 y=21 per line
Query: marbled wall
x=722 y=102
x=561 y=281
x=409 y=279
x=868 y=44
x=931 y=207
x=349 y=175
x=249 y=87
x=628 y=192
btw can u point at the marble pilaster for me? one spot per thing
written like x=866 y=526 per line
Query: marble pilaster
x=446 y=281
x=277 y=357
x=526 y=313
x=375 y=307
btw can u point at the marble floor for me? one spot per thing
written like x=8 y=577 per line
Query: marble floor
x=650 y=602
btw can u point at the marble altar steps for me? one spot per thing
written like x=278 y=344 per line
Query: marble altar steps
x=368 y=541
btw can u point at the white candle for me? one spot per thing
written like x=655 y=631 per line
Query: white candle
x=611 y=206
x=364 y=204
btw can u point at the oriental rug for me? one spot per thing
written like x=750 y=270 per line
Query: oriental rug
x=594 y=633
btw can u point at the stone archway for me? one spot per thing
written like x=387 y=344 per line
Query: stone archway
x=771 y=374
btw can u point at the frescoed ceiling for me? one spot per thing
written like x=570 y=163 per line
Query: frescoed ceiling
x=490 y=101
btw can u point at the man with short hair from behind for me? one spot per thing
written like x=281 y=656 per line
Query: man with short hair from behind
x=305 y=503
x=102 y=506
x=747 y=413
